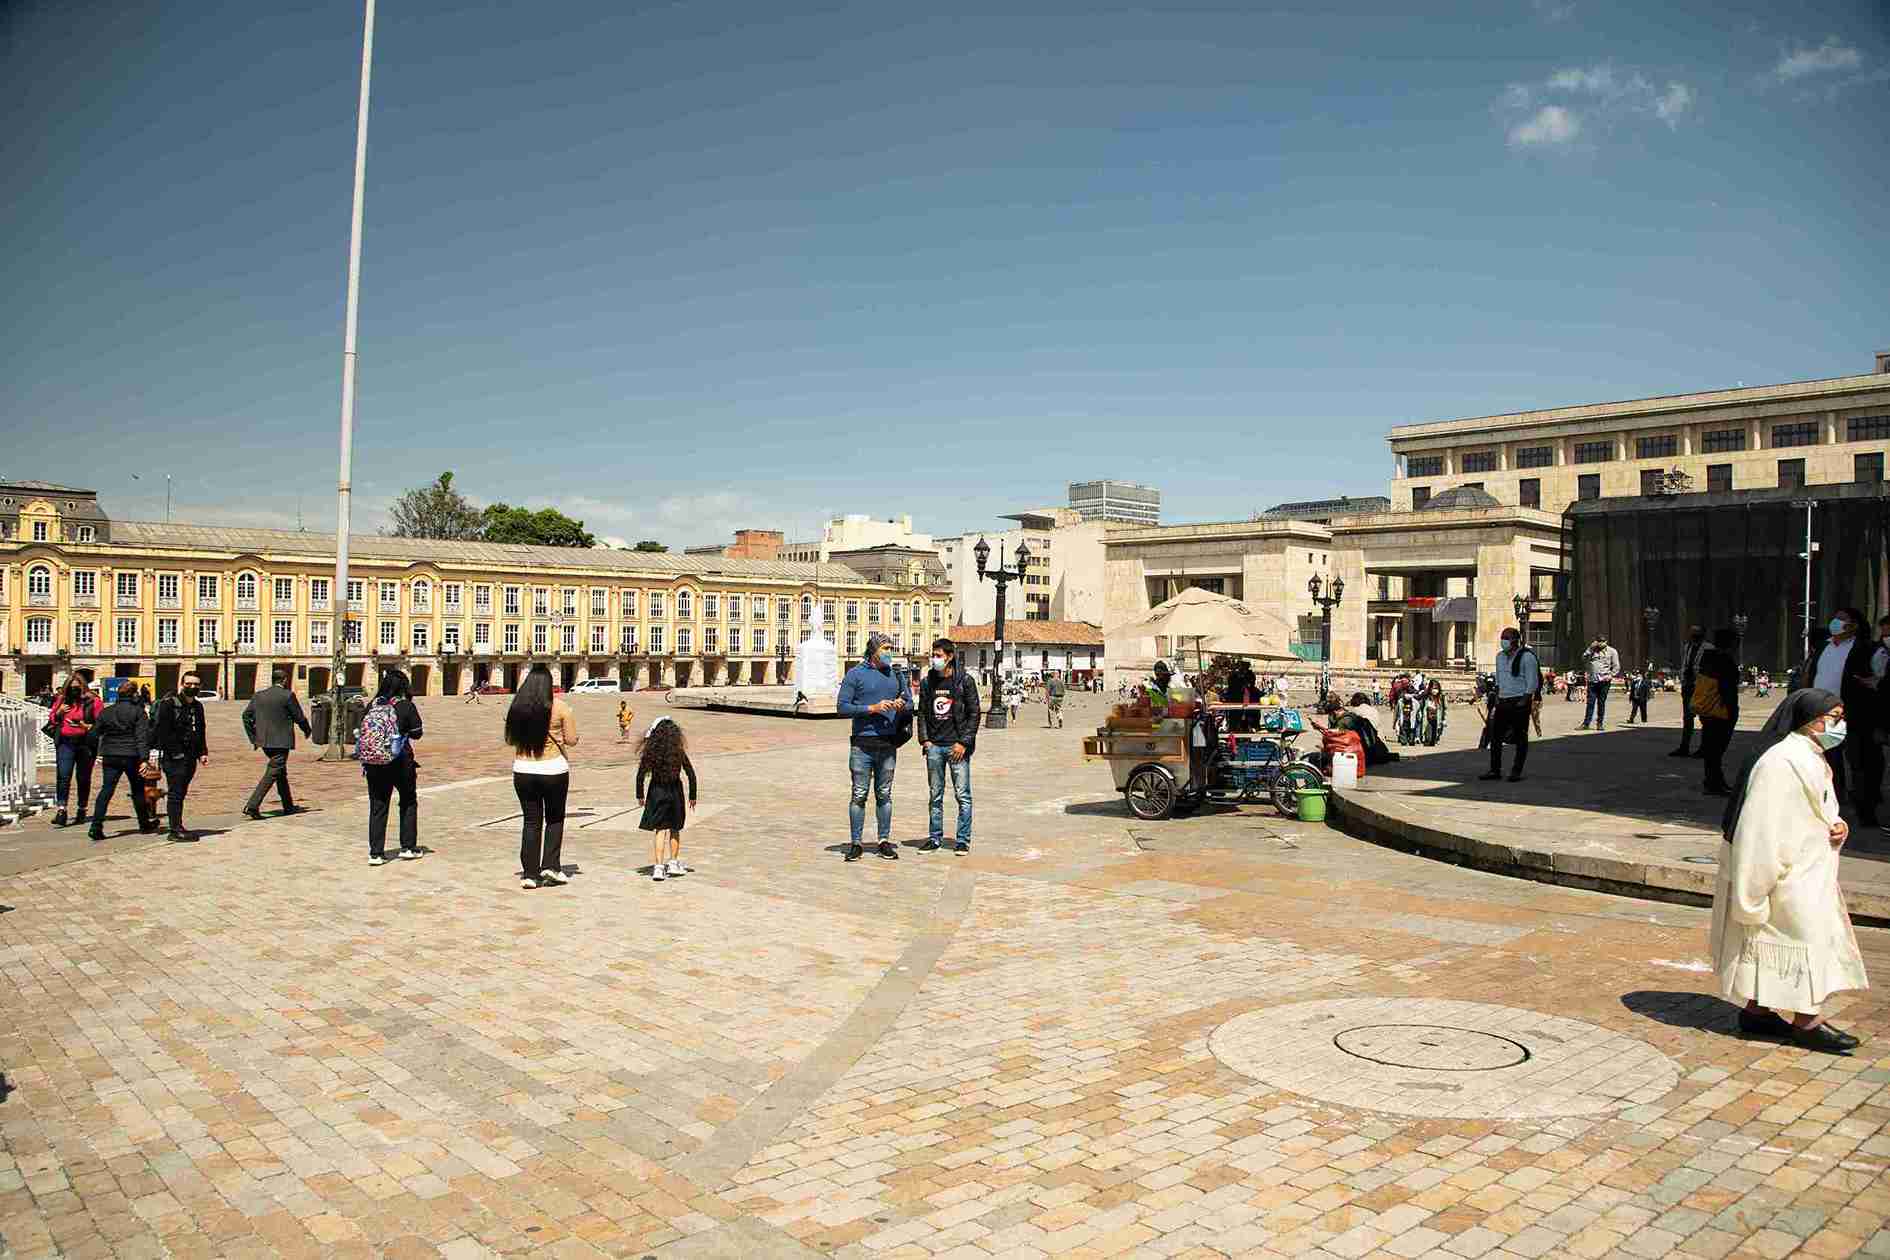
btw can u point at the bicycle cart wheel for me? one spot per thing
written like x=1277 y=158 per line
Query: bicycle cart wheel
x=1286 y=787
x=669 y=697
x=1151 y=794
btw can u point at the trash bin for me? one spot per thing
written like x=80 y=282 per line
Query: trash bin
x=356 y=706
x=1312 y=804
x=320 y=715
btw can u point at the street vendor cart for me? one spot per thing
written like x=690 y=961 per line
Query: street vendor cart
x=1170 y=762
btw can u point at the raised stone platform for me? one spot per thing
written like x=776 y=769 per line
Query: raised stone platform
x=781 y=701
x=1606 y=810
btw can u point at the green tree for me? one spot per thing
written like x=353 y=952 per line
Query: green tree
x=435 y=510
x=649 y=544
x=547 y=527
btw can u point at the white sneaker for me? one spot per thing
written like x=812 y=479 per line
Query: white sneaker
x=551 y=875
x=528 y=882
x=409 y=855
x=677 y=868
x=658 y=874
x=375 y=859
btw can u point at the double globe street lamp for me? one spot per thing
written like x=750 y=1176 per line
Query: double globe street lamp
x=996 y=716
x=1326 y=595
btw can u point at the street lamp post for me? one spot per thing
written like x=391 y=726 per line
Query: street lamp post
x=780 y=661
x=1327 y=596
x=996 y=715
x=1651 y=615
x=623 y=660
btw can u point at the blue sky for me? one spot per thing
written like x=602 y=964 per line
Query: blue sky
x=682 y=267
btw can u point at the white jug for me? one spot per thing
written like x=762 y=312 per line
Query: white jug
x=1344 y=769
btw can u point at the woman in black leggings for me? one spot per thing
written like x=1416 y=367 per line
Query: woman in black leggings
x=539 y=728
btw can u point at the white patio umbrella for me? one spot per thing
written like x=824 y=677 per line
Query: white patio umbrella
x=1202 y=615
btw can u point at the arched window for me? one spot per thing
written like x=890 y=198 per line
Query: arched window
x=684 y=609
x=246 y=586
x=39 y=581
x=422 y=595
x=807 y=608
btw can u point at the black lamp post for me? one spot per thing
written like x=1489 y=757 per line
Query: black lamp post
x=996 y=716
x=1651 y=615
x=780 y=661
x=1326 y=595
x=623 y=660
x=226 y=686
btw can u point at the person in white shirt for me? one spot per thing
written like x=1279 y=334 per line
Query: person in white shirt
x=1518 y=682
x=1603 y=664
x=1845 y=666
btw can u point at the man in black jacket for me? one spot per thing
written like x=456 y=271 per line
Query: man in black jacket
x=1843 y=665
x=182 y=746
x=270 y=721
x=948 y=734
x=124 y=741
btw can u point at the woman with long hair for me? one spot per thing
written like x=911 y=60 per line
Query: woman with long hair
x=73 y=715
x=1781 y=938
x=539 y=729
x=662 y=762
x=396 y=721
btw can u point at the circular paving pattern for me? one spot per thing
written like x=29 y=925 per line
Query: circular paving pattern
x=1433 y=1057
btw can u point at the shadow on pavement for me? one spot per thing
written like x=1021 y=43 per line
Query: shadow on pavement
x=5 y=1089
x=1702 y=1011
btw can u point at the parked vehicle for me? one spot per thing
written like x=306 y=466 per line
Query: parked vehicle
x=590 y=685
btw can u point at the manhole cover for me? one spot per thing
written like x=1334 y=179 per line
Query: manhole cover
x=1433 y=1047
x=1433 y=1057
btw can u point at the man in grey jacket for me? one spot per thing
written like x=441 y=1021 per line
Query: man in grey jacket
x=270 y=721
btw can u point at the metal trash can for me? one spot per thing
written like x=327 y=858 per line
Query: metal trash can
x=356 y=706
x=320 y=714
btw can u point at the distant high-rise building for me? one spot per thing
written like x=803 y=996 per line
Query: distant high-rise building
x=1124 y=501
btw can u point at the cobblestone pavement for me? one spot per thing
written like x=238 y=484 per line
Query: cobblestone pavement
x=1229 y=1035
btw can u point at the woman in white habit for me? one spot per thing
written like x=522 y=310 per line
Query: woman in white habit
x=1781 y=939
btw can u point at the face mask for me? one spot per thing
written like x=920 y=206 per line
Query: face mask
x=1509 y=645
x=1837 y=626
x=190 y=691
x=938 y=663
x=1832 y=735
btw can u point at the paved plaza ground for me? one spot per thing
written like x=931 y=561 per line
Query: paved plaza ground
x=1227 y=1035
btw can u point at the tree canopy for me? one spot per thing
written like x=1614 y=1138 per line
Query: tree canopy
x=436 y=510
x=649 y=544
x=547 y=527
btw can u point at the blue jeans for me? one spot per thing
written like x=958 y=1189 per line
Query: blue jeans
x=866 y=766
x=938 y=760
x=1597 y=712
x=74 y=755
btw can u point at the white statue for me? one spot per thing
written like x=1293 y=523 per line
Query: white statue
x=816 y=662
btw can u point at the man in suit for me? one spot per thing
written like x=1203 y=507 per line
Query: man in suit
x=270 y=721
x=181 y=746
x=1843 y=665
x=124 y=741
x=1689 y=674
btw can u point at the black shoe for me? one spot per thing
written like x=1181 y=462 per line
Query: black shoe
x=1764 y=1023
x=1679 y=752
x=887 y=851
x=180 y=837
x=1824 y=1040
x=295 y=809
x=78 y=819
x=59 y=819
x=148 y=829
x=95 y=835
x=253 y=813
x=1717 y=791
x=1698 y=752
x=930 y=846
x=1494 y=774
x=961 y=847
x=853 y=852
x=1515 y=776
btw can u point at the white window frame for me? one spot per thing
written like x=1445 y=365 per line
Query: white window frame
x=711 y=607
x=482 y=600
x=597 y=638
x=351 y=632
x=282 y=593
x=318 y=635
x=656 y=640
x=209 y=642
x=389 y=633
x=85 y=534
x=628 y=600
x=168 y=631
x=84 y=636
x=422 y=636
x=452 y=596
x=246 y=634
x=711 y=640
x=734 y=640
x=85 y=584
x=656 y=605
x=357 y=593
x=422 y=595
x=318 y=595
x=39 y=531
x=685 y=641
x=482 y=636
x=735 y=603
x=569 y=601
x=541 y=601
x=209 y=590
x=389 y=597
x=631 y=646
x=39 y=631
x=685 y=606
x=759 y=640
x=511 y=637
x=175 y=594
x=449 y=637
x=600 y=603
x=541 y=639
x=126 y=598
x=567 y=640
x=282 y=633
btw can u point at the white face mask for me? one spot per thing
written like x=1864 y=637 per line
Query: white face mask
x=1832 y=735
x=1837 y=626
x=1509 y=645
x=938 y=663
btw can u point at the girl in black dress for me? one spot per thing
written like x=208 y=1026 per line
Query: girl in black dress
x=662 y=761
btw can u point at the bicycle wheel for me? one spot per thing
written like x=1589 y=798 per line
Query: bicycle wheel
x=1286 y=787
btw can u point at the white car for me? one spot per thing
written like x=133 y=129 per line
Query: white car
x=208 y=695
x=595 y=684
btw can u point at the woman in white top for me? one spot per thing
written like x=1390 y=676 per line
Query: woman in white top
x=1781 y=937
x=539 y=728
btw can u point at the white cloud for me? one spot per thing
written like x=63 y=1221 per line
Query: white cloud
x=1552 y=124
x=1596 y=80
x=1553 y=10
x=1828 y=56
x=1675 y=101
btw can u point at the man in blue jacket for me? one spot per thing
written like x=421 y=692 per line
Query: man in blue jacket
x=874 y=697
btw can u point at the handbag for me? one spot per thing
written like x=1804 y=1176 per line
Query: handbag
x=902 y=725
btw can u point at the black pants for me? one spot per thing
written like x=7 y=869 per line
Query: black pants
x=1509 y=724
x=116 y=768
x=1637 y=705
x=382 y=782
x=178 y=772
x=277 y=773
x=1715 y=736
x=541 y=796
x=1863 y=771
x=1686 y=714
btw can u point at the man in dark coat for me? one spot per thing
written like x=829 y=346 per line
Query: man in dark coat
x=182 y=746
x=271 y=721
x=124 y=742
x=1689 y=674
x=1843 y=665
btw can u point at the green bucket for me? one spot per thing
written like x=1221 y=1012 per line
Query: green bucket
x=1312 y=804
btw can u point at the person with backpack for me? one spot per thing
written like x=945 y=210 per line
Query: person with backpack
x=1518 y=689
x=384 y=747
x=873 y=694
x=270 y=720
x=178 y=734
x=74 y=714
x=539 y=728
x=948 y=735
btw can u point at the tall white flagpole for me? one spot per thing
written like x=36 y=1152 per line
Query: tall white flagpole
x=338 y=662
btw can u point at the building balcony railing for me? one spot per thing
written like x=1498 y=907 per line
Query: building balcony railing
x=38 y=599
x=208 y=605
x=42 y=649
x=130 y=648
x=168 y=649
x=85 y=601
x=171 y=602
x=246 y=603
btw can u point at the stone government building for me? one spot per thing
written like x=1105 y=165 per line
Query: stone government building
x=1478 y=515
x=84 y=593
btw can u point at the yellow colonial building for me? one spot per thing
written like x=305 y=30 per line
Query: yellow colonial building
x=82 y=593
